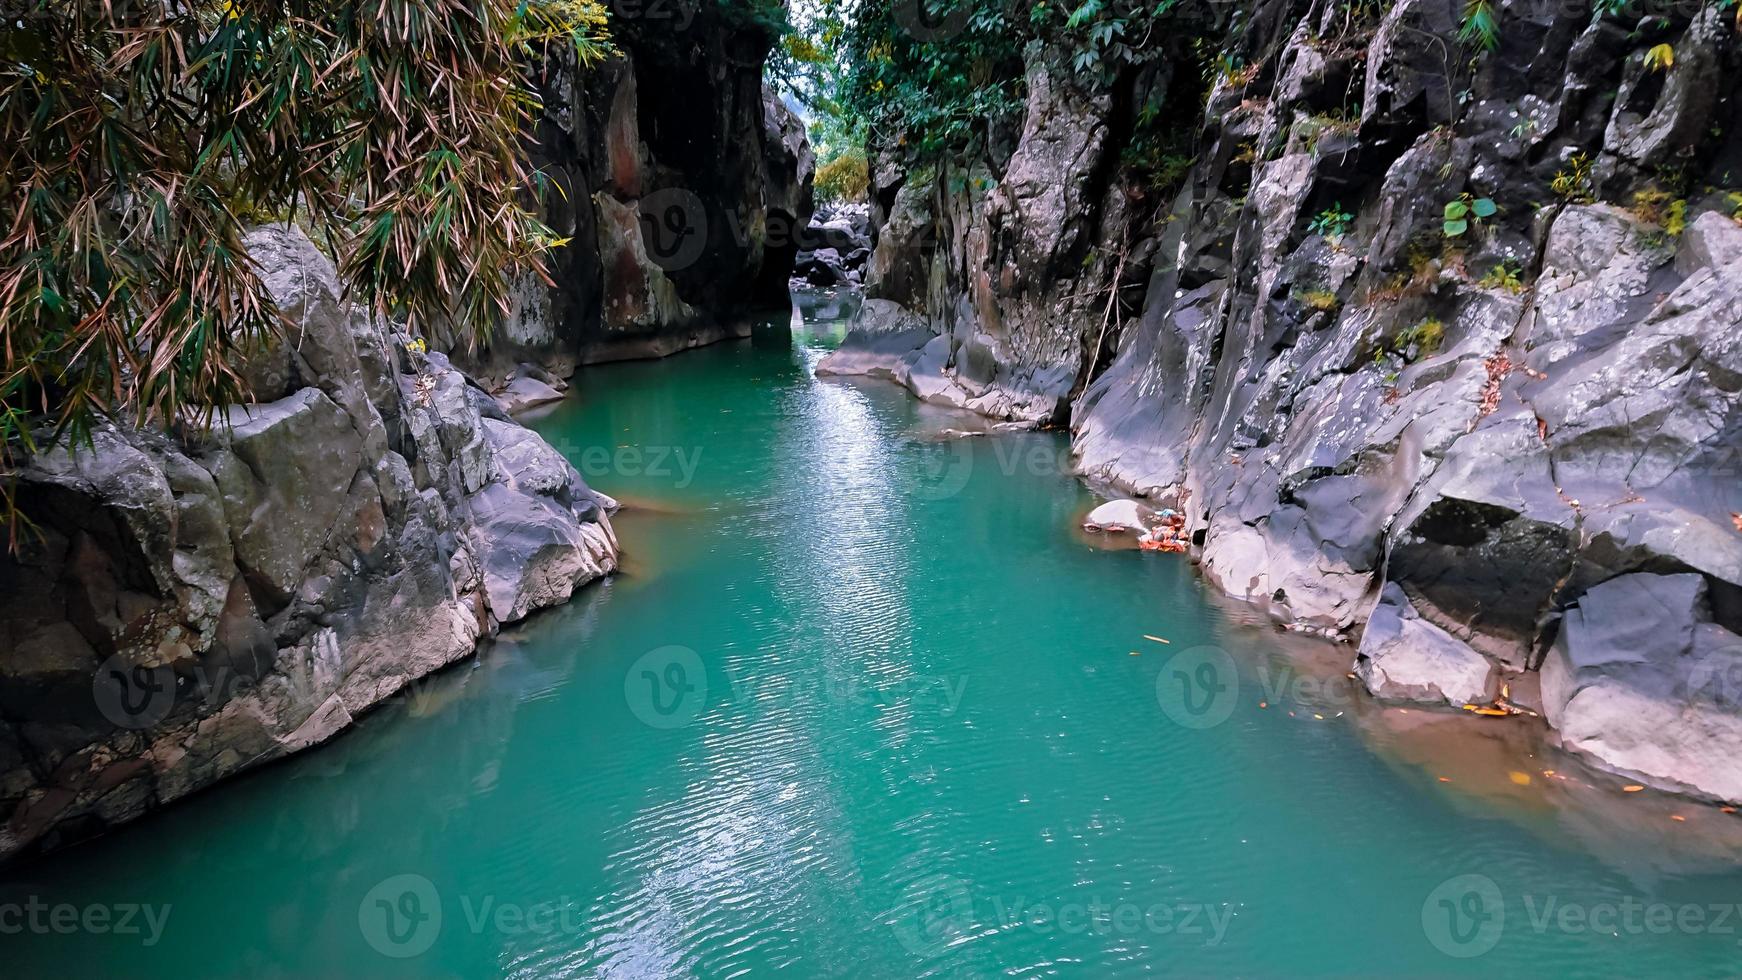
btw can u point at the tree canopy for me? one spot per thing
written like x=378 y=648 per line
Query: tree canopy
x=935 y=76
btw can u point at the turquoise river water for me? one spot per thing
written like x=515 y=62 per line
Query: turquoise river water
x=864 y=703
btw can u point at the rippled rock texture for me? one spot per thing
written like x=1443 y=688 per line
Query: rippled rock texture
x=1472 y=441
x=194 y=605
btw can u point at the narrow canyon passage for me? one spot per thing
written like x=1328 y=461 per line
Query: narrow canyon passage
x=864 y=703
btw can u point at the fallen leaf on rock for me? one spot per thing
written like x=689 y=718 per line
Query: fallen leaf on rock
x=1632 y=789
x=1736 y=519
x=1521 y=778
x=1678 y=818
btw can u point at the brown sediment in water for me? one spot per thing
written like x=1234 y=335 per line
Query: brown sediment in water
x=1106 y=540
x=633 y=506
x=1512 y=768
x=645 y=528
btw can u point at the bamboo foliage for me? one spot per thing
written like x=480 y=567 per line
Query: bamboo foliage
x=138 y=138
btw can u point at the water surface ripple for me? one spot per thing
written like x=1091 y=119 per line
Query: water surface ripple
x=864 y=704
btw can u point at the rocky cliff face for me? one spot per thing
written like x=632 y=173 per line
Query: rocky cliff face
x=996 y=286
x=680 y=181
x=193 y=606
x=1502 y=438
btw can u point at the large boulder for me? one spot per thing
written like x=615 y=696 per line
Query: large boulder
x=192 y=607
x=1406 y=658
x=1643 y=682
x=284 y=480
x=884 y=340
x=1120 y=515
x=1008 y=266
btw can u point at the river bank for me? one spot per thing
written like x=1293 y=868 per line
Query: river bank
x=912 y=712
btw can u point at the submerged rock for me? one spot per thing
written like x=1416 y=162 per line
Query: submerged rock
x=1643 y=682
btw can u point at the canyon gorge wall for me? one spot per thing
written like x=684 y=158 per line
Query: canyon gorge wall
x=194 y=603
x=678 y=178
x=1494 y=444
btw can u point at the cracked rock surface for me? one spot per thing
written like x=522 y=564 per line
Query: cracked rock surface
x=196 y=606
x=1454 y=450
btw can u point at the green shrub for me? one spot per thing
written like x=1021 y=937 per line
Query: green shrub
x=1459 y=213
x=1333 y=222
x=845 y=178
x=1422 y=340
x=1573 y=181
x=1658 y=207
x=1504 y=275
